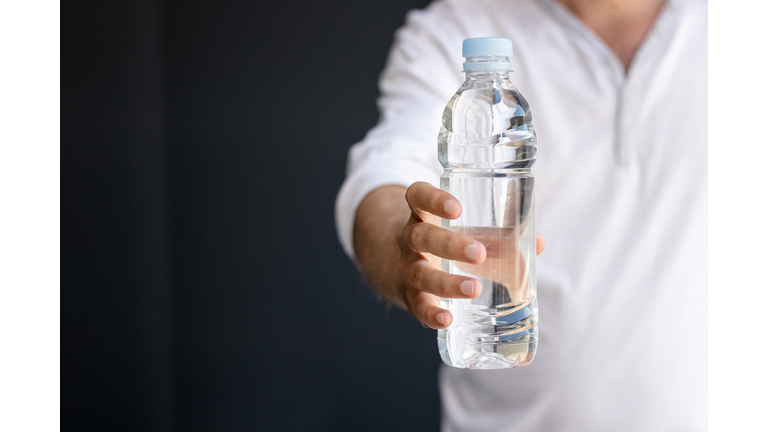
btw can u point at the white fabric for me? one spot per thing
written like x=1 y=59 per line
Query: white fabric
x=622 y=200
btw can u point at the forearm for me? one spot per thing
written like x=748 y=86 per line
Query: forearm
x=380 y=216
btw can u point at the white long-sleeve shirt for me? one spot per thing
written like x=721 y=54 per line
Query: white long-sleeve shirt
x=621 y=198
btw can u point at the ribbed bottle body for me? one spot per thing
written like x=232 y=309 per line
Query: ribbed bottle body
x=487 y=145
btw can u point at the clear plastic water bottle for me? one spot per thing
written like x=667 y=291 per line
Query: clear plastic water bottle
x=487 y=145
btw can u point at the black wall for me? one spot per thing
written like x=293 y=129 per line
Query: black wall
x=203 y=287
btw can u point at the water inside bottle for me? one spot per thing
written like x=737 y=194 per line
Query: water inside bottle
x=487 y=144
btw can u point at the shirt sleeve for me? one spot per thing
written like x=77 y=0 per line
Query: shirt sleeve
x=419 y=78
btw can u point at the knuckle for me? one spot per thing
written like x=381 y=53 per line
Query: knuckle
x=415 y=275
x=415 y=234
x=444 y=284
x=434 y=197
x=452 y=242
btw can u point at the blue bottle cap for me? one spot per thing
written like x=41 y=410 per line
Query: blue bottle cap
x=486 y=46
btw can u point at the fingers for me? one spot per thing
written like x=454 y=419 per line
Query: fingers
x=423 y=198
x=428 y=238
x=424 y=277
x=541 y=243
x=426 y=308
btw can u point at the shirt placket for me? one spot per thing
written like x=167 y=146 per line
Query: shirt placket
x=626 y=137
x=623 y=124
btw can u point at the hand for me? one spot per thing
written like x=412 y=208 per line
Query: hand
x=422 y=242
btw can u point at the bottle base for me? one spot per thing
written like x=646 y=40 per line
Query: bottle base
x=503 y=356
x=493 y=361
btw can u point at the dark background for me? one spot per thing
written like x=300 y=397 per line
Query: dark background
x=203 y=284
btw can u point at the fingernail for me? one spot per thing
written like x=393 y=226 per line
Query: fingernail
x=449 y=207
x=473 y=251
x=440 y=317
x=467 y=287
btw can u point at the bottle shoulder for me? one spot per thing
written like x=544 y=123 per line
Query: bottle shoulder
x=487 y=123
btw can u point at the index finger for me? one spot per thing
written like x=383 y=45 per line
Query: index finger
x=423 y=199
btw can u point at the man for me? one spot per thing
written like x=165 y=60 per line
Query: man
x=618 y=92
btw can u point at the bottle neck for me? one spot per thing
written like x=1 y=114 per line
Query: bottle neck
x=487 y=64
x=481 y=76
